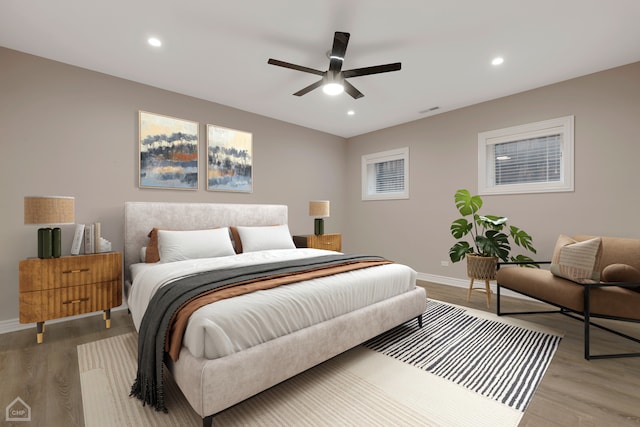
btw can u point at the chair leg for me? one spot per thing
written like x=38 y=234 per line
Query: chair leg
x=587 y=321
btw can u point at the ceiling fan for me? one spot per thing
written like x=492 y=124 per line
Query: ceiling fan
x=334 y=79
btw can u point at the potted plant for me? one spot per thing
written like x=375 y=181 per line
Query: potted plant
x=490 y=238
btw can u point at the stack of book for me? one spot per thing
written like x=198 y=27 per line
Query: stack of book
x=93 y=241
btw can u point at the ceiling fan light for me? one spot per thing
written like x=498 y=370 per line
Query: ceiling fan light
x=333 y=88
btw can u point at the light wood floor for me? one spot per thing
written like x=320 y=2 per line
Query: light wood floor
x=574 y=392
x=45 y=376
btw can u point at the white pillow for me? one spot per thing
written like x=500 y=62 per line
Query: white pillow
x=264 y=238
x=182 y=245
x=143 y=254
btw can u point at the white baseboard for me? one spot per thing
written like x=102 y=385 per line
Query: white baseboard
x=464 y=283
x=13 y=325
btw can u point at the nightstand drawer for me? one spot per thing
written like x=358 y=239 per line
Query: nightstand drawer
x=55 y=303
x=41 y=274
x=331 y=242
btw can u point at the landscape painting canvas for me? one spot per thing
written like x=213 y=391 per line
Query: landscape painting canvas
x=168 y=152
x=229 y=160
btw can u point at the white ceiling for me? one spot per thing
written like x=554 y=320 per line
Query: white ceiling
x=218 y=50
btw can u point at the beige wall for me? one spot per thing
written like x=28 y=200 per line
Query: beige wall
x=69 y=131
x=443 y=158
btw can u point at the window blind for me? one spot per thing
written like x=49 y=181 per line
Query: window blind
x=528 y=161
x=389 y=176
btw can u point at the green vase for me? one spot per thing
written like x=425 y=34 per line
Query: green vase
x=45 y=243
x=56 y=242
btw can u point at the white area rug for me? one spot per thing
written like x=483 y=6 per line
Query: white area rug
x=361 y=387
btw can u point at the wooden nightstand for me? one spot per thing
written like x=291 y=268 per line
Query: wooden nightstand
x=331 y=242
x=70 y=285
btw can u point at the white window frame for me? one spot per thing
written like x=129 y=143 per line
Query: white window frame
x=368 y=174
x=486 y=170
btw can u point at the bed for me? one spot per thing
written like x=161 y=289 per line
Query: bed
x=213 y=376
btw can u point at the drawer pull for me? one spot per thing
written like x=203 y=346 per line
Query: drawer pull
x=80 y=270
x=75 y=301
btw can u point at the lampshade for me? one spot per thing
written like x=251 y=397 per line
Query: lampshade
x=49 y=210
x=319 y=208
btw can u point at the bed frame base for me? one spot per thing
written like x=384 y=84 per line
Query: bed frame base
x=212 y=386
x=208 y=420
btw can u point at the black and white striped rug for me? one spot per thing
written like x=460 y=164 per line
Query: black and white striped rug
x=483 y=353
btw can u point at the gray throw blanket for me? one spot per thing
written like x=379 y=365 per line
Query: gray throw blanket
x=149 y=382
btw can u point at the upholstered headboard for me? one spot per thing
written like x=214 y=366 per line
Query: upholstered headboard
x=141 y=217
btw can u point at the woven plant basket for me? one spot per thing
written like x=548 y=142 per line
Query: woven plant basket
x=481 y=267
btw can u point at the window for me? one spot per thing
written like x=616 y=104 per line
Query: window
x=532 y=158
x=385 y=175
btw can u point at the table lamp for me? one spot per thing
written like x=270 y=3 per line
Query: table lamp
x=320 y=210
x=49 y=210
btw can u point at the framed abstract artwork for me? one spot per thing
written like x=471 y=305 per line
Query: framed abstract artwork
x=168 y=149
x=229 y=160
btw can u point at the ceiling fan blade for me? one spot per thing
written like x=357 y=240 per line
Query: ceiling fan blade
x=376 y=69
x=295 y=67
x=351 y=90
x=339 y=49
x=309 y=88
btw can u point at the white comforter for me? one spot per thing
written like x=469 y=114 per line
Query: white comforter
x=238 y=323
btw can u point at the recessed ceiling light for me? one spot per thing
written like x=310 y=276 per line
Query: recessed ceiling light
x=351 y=112
x=154 y=42
x=497 y=60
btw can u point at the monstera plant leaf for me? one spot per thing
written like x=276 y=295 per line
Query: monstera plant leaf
x=525 y=261
x=466 y=203
x=460 y=228
x=494 y=243
x=521 y=238
x=459 y=251
x=492 y=221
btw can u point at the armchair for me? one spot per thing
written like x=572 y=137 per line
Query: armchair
x=617 y=299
